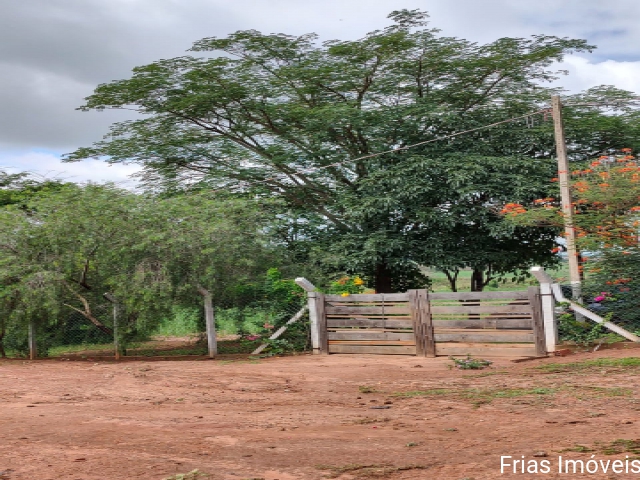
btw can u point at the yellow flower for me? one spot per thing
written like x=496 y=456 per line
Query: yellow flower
x=345 y=294
x=358 y=281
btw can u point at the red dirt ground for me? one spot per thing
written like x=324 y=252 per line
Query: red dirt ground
x=306 y=417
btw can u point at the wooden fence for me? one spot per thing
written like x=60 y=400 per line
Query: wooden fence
x=429 y=324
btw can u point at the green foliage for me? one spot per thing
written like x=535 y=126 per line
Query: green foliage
x=580 y=333
x=286 y=117
x=346 y=285
x=470 y=363
x=612 y=286
x=61 y=251
x=598 y=364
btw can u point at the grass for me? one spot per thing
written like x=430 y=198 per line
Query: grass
x=424 y=393
x=363 y=471
x=192 y=475
x=92 y=347
x=616 y=447
x=486 y=374
x=440 y=283
x=365 y=389
x=481 y=396
x=485 y=393
x=619 y=364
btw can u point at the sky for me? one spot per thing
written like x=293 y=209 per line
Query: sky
x=53 y=53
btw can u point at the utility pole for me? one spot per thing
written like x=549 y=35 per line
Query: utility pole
x=565 y=197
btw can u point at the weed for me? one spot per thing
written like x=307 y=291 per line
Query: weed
x=479 y=396
x=485 y=374
x=360 y=471
x=369 y=420
x=470 y=363
x=365 y=389
x=606 y=391
x=628 y=363
x=424 y=393
x=578 y=448
x=192 y=475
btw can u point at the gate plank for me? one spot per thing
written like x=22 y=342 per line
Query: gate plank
x=369 y=335
x=495 y=323
x=538 y=322
x=322 y=324
x=378 y=349
x=416 y=313
x=371 y=323
x=426 y=327
x=479 y=295
x=371 y=342
x=491 y=309
x=505 y=336
x=357 y=310
x=369 y=297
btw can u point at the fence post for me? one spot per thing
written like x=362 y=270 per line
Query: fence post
x=33 y=346
x=314 y=322
x=116 y=335
x=548 y=308
x=210 y=320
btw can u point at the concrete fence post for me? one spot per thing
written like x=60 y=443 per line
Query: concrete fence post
x=313 y=312
x=548 y=308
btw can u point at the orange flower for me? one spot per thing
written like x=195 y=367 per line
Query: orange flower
x=596 y=163
x=626 y=150
x=604 y=174
x=555 y=179
x=604 y=185
x=635 y=209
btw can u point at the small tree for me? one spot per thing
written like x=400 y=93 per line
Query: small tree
x=606 y=207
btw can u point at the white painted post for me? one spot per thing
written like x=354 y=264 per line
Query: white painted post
x=313 y=313
x=548 y=308
x=210 y=321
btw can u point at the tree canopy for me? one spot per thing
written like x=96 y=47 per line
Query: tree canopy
x=61 y=252
x=289 y=117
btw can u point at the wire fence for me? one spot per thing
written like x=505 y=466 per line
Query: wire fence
x=241 y=327
x=618 y=304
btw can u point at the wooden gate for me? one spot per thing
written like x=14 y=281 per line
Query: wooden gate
x=429 y=324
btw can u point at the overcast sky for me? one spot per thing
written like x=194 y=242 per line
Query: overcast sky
x=54 y=52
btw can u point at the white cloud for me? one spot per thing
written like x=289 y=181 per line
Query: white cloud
x=48 y=165
x=53 y=53
x=584 y=74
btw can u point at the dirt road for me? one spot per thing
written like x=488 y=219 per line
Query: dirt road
x=310 y=417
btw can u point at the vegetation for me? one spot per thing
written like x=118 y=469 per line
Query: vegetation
x=606 y=205
x=362 y=164
x=308 y=123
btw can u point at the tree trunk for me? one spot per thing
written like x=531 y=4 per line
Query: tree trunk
x=477 y=280
x=383 y=279
x=453 y=279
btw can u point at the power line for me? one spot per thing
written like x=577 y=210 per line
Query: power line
x=407 y=147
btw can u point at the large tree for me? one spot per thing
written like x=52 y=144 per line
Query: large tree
x=287 y=116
